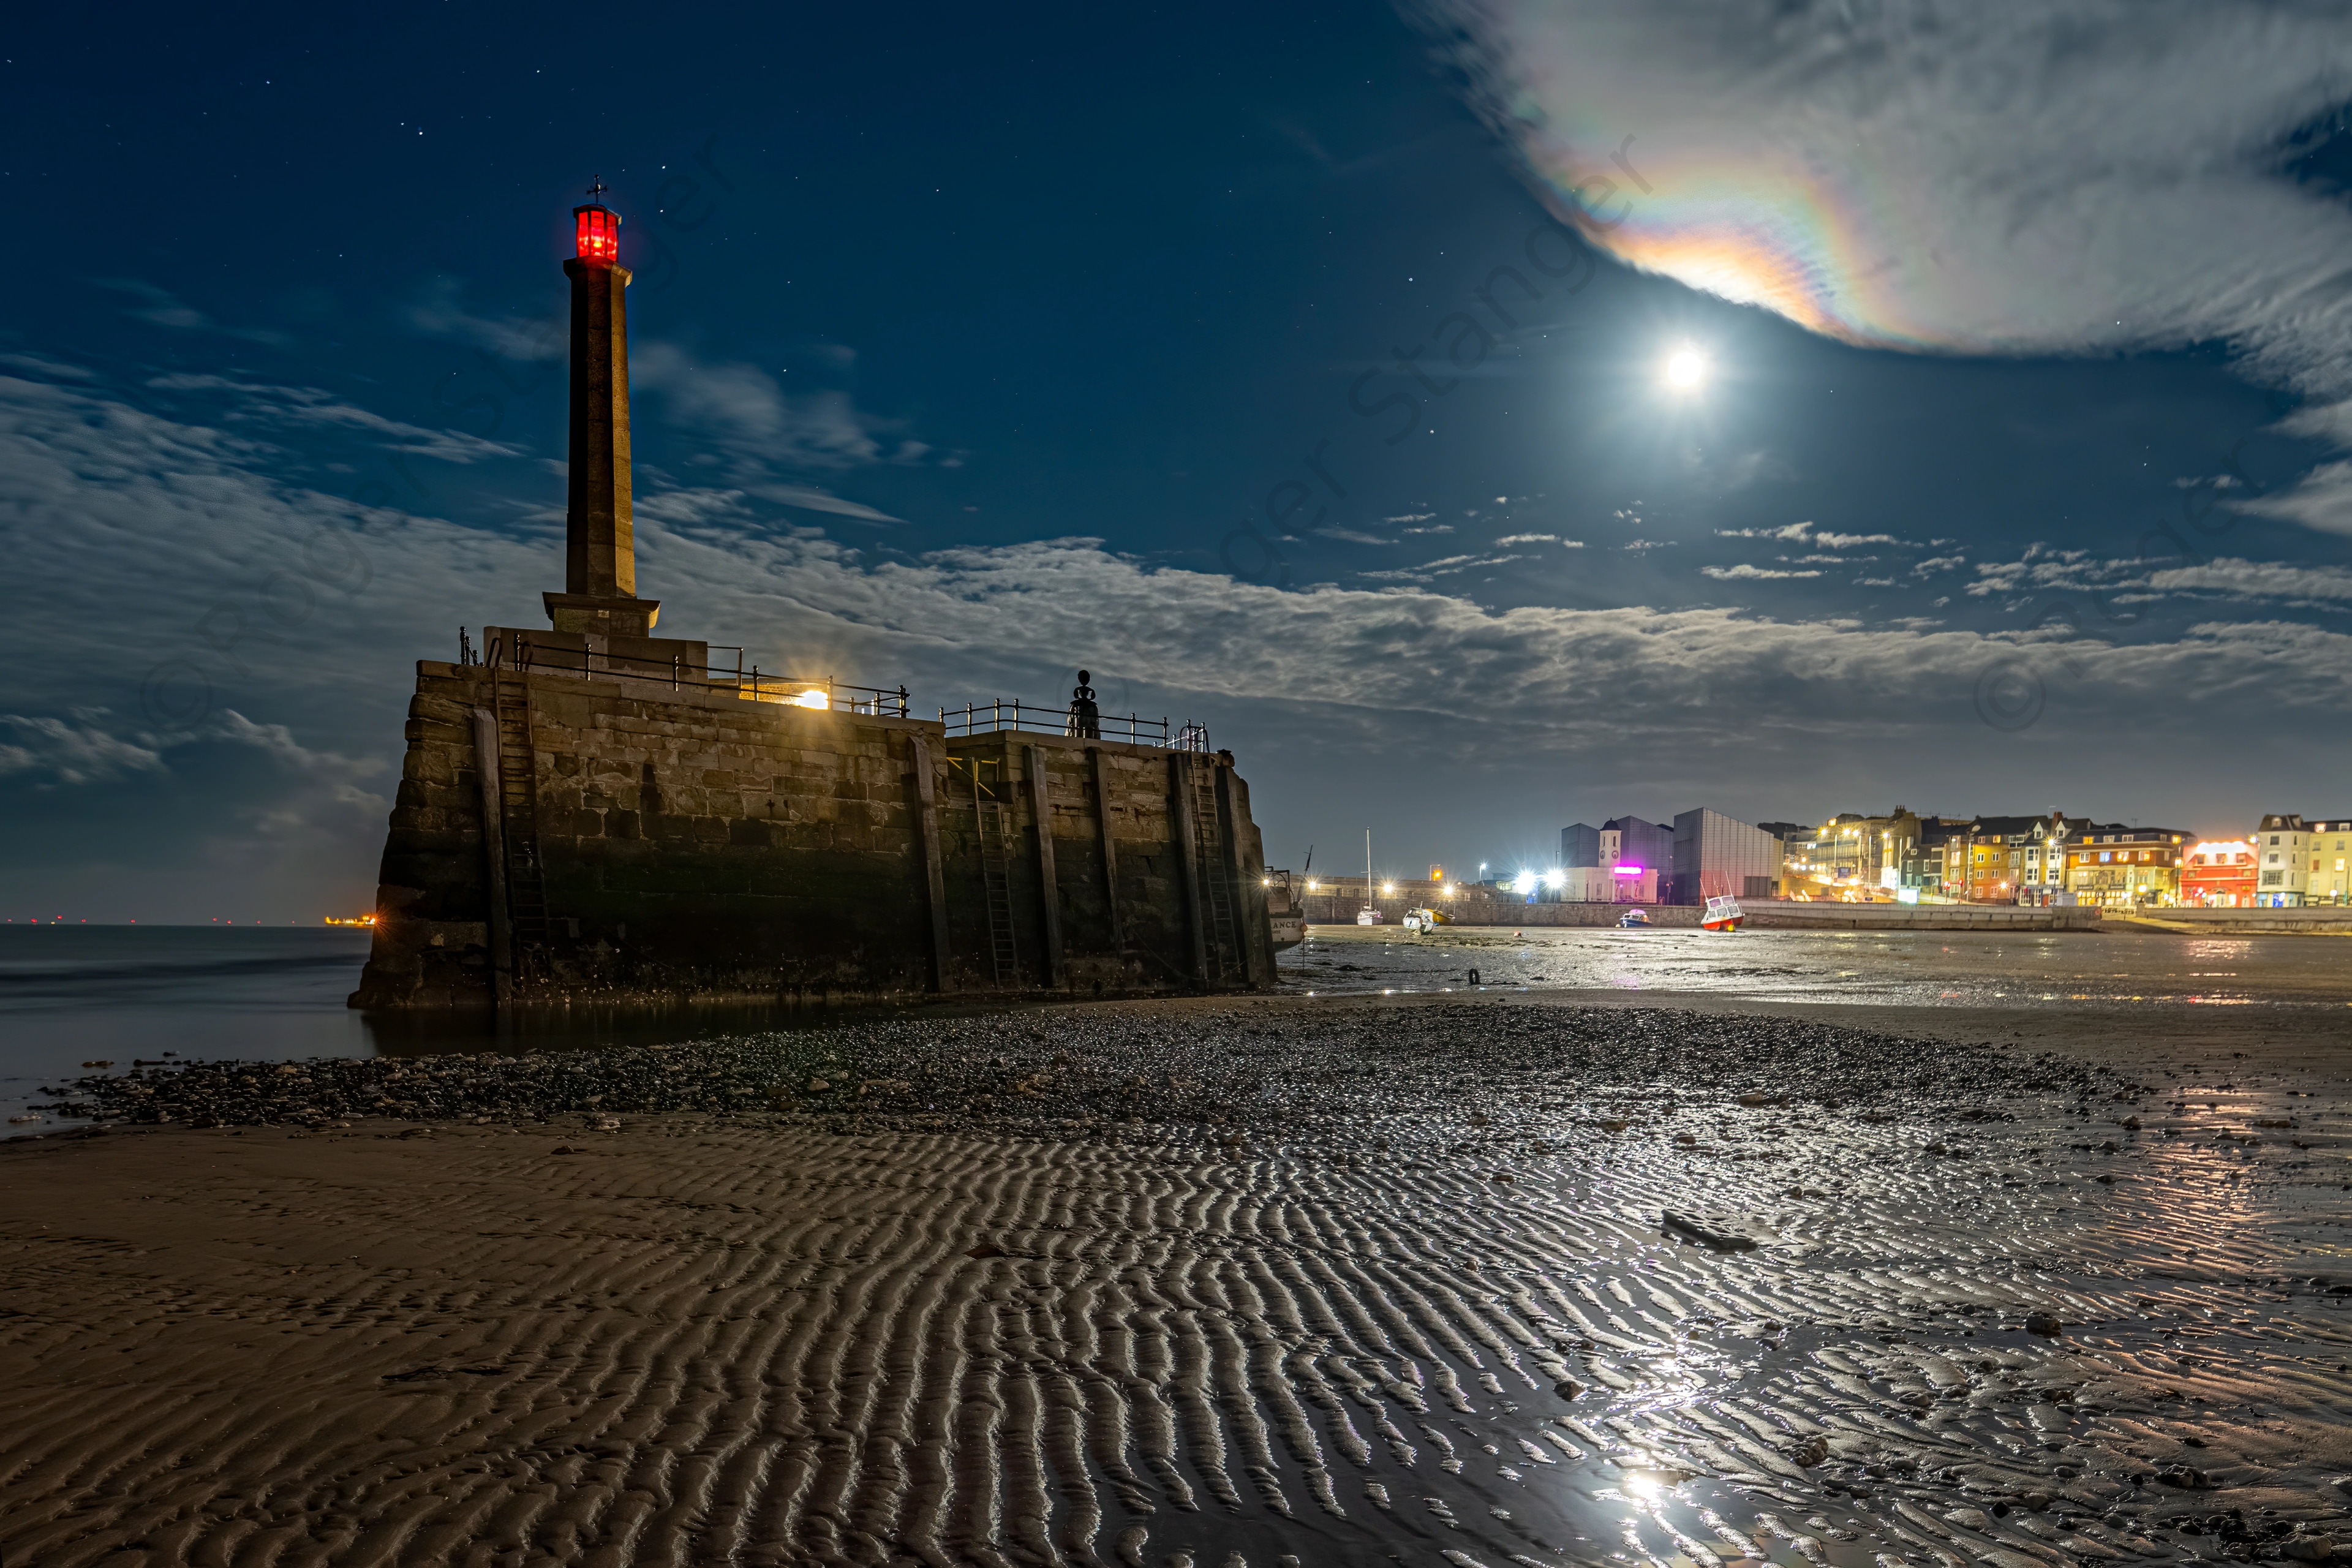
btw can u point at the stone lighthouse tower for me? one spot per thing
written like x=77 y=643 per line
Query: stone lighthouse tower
x=599 y=563
x=591 y=813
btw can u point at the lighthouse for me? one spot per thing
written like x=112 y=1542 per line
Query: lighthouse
x=600 y=564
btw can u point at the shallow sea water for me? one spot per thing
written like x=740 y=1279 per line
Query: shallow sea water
x=1916 y=969
x=76 y=995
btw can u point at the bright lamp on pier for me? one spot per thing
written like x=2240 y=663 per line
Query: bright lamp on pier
x=596 y=234
x=1524 y=883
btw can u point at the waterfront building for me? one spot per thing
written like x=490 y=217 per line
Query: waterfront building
x=1714 y=853
x=2283 y=844
x=2330 y=882
x=1609 y=885
x=1636 y=842
x=2109 y=864
x=2007 y=859
x=1840 y=859
x=2218 y=874
x=1916 y=850
x=1619 y=862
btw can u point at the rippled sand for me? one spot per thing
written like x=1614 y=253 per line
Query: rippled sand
x=1332 y=1337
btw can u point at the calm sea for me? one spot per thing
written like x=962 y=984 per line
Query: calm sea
x=73 y=995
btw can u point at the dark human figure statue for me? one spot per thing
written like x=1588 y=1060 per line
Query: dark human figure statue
x=1086 y=719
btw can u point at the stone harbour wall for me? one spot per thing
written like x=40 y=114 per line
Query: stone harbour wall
x=692 y=844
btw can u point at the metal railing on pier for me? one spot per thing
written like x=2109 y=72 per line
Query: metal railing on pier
x=1003 y=714
x=826 y=692
x=821 y=692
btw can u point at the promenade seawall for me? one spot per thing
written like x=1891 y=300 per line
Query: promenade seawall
x=1762 y=915
x=1774 y=914
x=2333 y=921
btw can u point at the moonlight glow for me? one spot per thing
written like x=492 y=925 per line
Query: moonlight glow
x=1686 y=369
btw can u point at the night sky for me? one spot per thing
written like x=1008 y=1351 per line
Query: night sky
x=1301 y=372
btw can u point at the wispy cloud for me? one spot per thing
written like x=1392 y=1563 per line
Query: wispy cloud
x=74 y=750
x=160 y=306
x=2321 y=499
x=308 y=407
x=760 y=426
x=1744 y=572
x=1806 y=533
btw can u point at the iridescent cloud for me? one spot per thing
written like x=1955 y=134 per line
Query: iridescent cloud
x=1995 y=178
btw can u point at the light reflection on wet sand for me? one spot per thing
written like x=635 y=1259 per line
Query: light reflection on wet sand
x=1906 y=969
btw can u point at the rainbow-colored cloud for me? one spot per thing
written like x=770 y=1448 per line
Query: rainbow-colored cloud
x=2027 y=177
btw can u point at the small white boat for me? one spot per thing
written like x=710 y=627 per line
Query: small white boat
x=1282 y=912
x=1423 y=921
x=1368 y=916
x=1723 y=913
x=1635 y=920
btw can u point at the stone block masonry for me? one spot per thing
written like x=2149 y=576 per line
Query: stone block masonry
x=661 y=843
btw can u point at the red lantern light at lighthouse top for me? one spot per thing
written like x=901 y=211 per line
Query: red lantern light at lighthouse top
x=596 y=230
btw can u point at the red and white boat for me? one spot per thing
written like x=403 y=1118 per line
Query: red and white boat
x=1723 y=913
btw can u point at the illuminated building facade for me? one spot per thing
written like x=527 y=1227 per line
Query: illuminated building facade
x=2218 y=874
x=2121 y=867
x=2281 y=853
x=2330 y=882
x=2008 y=859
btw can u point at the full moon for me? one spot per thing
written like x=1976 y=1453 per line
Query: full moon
x=1685 y=368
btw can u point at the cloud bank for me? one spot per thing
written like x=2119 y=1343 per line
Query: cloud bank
x=215 y=628
x=2008 y=177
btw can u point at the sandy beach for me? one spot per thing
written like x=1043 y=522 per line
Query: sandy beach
x=1342 y=1280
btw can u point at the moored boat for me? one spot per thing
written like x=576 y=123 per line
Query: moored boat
x=1635 y=920
x=1723 y=913
x=1282 y=910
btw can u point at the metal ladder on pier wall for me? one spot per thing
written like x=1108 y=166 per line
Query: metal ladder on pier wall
x=1222 y=944
x=996 y=878
x=518 y=818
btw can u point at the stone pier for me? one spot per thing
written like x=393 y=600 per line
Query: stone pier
x=690 y=844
